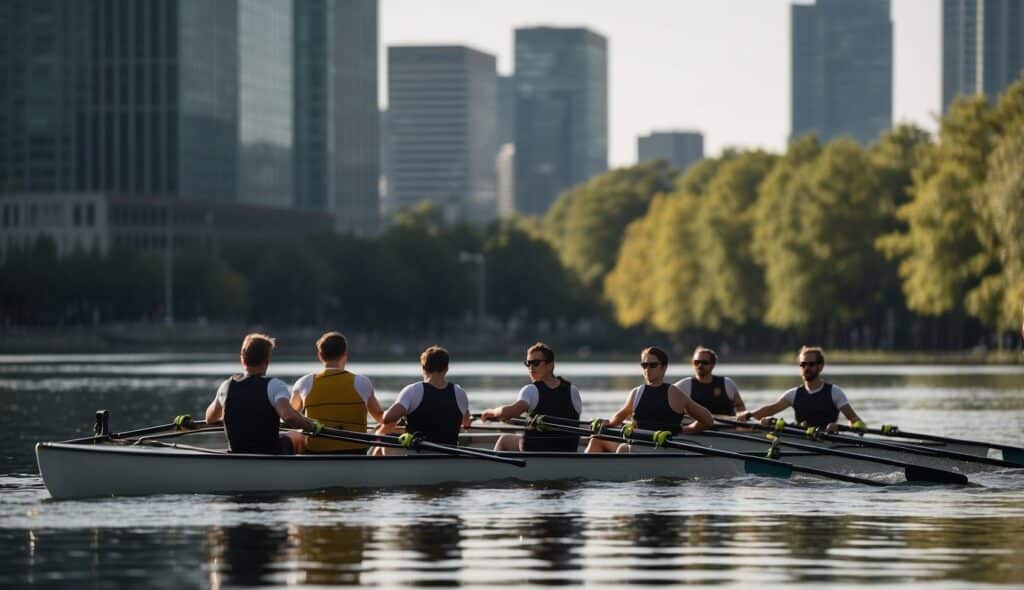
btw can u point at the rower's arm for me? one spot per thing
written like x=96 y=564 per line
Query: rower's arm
x=773 y=408
x=506 y=412
x=214 y=412
x=287 y=413
x=737 y=403
x=680 y=401
x=394 y=414
x=852 y=416
x=624 y=412
x=373 y=407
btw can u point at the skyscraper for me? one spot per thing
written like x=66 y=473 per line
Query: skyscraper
x=132 y=97
x=265 y=126
x=982 y=47
x=561 y=82
x=443 y=116
x=337 y=159
x=841 y=69
x=678 y=148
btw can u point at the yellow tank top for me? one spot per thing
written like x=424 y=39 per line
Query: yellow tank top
x=333 y=400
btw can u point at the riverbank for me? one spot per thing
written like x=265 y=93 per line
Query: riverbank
x=467 y=343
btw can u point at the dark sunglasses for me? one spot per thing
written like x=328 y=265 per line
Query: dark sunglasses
x=805 y=364
x=701 y=362
x=534 y=362
x=653 y=365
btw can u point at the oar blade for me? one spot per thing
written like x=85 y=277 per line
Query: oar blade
x=781 y=470
x=1014 y=456
x=919 y=473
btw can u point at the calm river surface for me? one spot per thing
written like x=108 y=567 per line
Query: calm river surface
x=742 y=532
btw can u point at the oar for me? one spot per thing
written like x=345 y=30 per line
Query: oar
x=1010 y=453
x=915 y=473
x=180 y=423
x=780 y=426
x=412 y=441
x=661 y=438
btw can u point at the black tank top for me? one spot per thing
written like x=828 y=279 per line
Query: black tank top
x=652 y=412
x=712 y=396
x=438 y=417
x=250 y=422
x=815 y=410
x=555 y=402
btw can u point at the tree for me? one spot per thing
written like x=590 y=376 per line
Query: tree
x=587 y=223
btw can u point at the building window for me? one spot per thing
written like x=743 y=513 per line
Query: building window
x=90 y=214
x=7 y=215
x=76 y=215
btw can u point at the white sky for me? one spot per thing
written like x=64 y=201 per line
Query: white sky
x=717 y=66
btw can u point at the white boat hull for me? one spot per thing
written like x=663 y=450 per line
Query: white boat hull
x=87 y=471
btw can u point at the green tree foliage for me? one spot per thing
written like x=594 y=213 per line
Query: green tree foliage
x=525 y=278
x=586 y=224
x=939 y=253
x=815 y=237
x=730 y=289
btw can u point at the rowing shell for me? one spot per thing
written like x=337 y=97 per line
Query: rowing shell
x=88 y=471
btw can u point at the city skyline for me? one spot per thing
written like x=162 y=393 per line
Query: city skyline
x=737 y=95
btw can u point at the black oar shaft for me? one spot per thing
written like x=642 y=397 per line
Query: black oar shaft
x=132 y=433
x=748 y=459
x=393 y=441
x=911 y=472
x=896 y=433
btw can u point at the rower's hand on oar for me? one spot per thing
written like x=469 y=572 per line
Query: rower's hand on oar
x=743 y=416
x=490 y=415
x=390 y=428
x=831 y=428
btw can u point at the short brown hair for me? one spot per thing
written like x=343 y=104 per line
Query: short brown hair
x=434 y=359
x=549 y=355
x=815 y=349
x=256 y=349
x=332 y=346
x=700 y=349
x=661 y=354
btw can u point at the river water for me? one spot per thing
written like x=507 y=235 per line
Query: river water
x=742 y=532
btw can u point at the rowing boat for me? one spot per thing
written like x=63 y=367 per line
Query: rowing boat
x=97 y=470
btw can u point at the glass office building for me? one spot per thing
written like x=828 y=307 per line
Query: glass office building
x=126 y=97
x=982 y=47
x=841 y=69
x=561 y=112
x=336 y=146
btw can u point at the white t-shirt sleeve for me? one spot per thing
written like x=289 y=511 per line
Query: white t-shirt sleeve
x=686 y=386
x=364 y=387
x=277 y=389
x=303 y=386
x=530 y=395
x=222 y=392
x=730 y=389
x=577 y=401
x=461 y=399
x=839 y=397
x=789 y=396
x=410 y=397
x=636 y=396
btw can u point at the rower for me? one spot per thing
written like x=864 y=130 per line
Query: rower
x=337 y=397
x=816 y=403
x=252 y=405
x=716 y=393
x=433 y=408
x=655 y=405
x=547 y=395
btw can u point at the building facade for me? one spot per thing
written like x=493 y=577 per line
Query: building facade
x=841 y=81
x=337 y=159
x=136 y=97
x=561 y=112
x=678 y=148
x=982 y=47
x=443 y=129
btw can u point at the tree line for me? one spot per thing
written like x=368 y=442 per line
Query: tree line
x=914 y=241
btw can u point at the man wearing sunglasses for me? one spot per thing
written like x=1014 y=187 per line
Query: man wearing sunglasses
x=816 y=403
x=718 y=394
x=655 y=405
x=549 y=395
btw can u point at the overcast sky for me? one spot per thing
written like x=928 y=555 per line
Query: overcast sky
x=718 y=66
